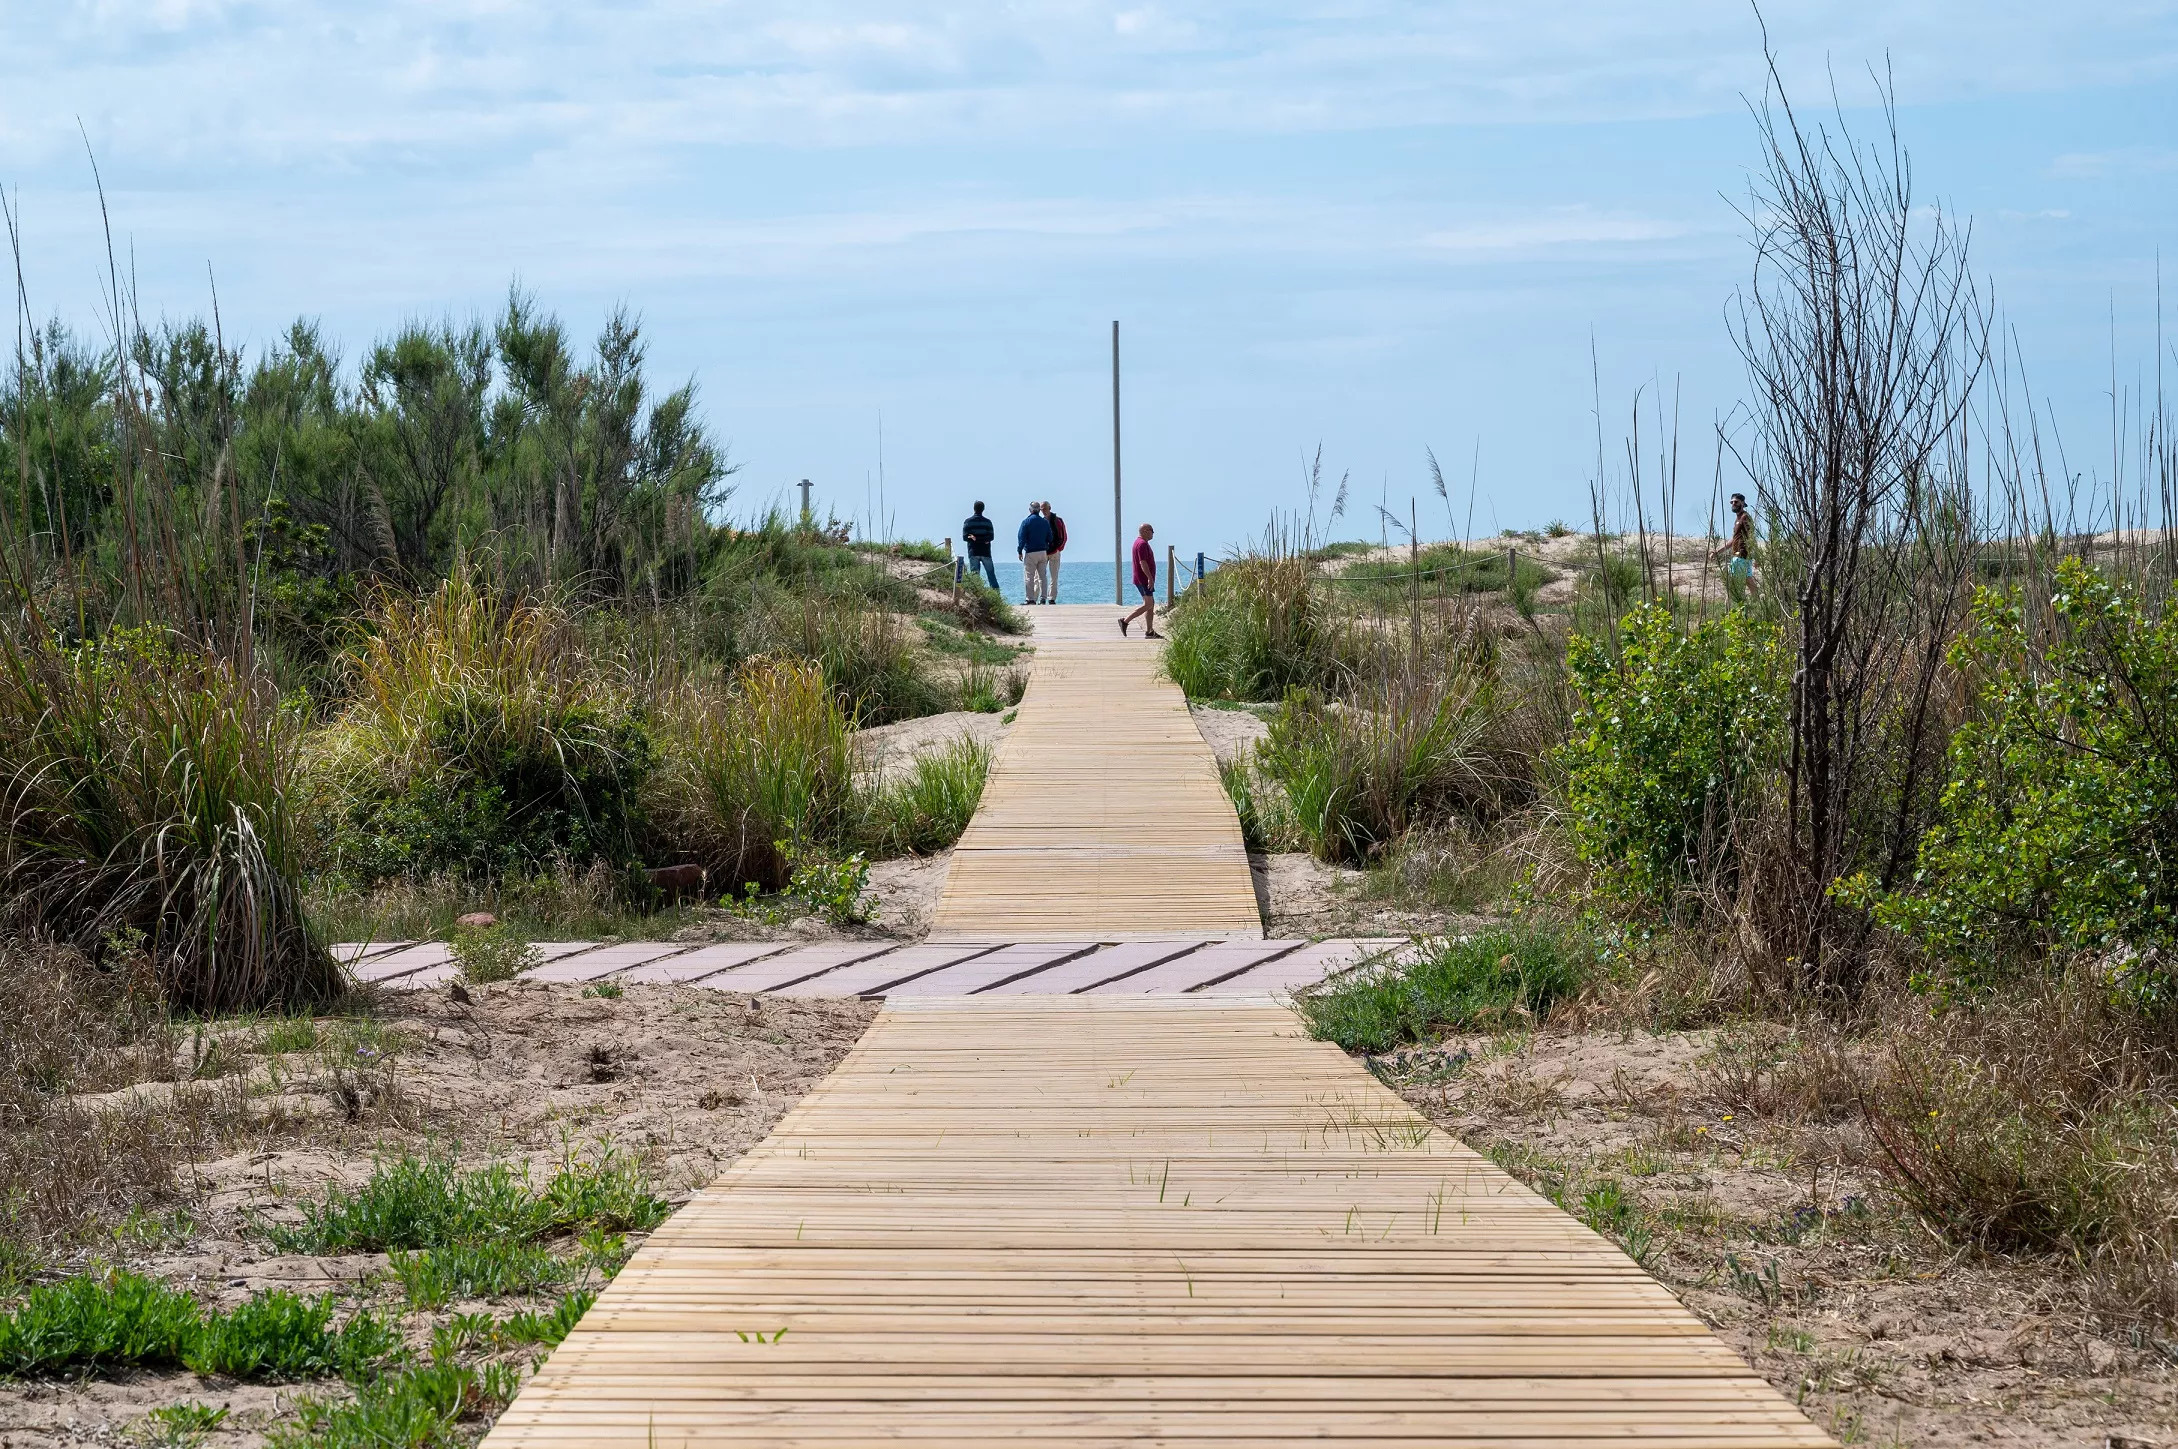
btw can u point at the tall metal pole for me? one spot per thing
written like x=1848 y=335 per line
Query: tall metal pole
x=1119 y=529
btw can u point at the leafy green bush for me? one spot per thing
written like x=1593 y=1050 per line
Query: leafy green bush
x=927 y=809
x=769 y=759
x=2056 y=825
x=482 y=741
x=144 y=792
x=94 y=1322
x=1490 y=980
x=1672 y=732
x=278 y=1336
x=492 y=953
x=835 y=887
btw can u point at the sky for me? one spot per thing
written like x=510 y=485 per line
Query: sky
x=1379 y=230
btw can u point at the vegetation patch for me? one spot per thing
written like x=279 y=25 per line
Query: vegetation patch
x=1491 y=980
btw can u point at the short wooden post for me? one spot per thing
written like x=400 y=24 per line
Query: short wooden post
x=1172 y=566
x=1512 y=570
x=956 y=569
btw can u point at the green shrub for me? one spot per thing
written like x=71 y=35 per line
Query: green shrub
x=548 y=1329
x=277 y=1336
x=492 y=953
x=1490 y=980
x=769 y=759
x=93 y=1322
x=927 y=809
x=432 y=1277
x=412 y=1202
x=422 y=1407
x=144 y=793
x=1358 y=775
x=482 y=741
x=835 y=887
x=1667 y=747
x=869 y=655
x=2056 y=825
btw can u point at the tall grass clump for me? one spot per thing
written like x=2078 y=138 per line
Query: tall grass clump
x=1258 y=626
x=755 y=772
x=1398 y=753
x=144 y=796
x=482 y=740
x=926 y=809
x=869 y=657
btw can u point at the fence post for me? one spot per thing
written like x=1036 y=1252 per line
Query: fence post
x=1512 y=571
x=1198 y=566
x=1172 y=566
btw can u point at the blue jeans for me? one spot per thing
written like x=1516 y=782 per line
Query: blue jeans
x=983 y=562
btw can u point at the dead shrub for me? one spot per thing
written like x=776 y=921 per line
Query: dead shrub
x=2043 y=1123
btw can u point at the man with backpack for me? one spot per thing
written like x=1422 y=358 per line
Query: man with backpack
x=1032 y=542
x=976 y=532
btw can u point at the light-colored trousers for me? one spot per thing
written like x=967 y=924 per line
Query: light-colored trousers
x=1051 y=578
x=1032 y=575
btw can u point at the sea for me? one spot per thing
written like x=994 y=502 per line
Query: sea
x=1081 y=581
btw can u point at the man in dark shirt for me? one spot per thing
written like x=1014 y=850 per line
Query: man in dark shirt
x=1033 y=544
x=977 y=532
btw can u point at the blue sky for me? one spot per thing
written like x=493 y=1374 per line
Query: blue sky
x=1377 y=227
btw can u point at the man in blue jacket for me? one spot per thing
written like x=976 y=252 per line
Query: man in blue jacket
x=1033 y=544
x=977 y=532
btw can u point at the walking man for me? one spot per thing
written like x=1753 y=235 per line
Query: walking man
x=1738 y=550
x=1145 y=584
x=1058 y=546
x=1032 y=542
x=977 y=532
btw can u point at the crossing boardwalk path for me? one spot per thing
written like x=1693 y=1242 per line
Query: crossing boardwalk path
x=1128 y=1219
x=1103 y=819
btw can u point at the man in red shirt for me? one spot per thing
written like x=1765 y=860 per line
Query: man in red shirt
x=1145 y=584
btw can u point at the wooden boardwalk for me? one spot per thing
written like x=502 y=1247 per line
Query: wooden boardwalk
x=1103 y=819
x=1101 y=1221
x=1096 y=1189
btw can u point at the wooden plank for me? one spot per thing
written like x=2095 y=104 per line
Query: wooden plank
x=403 y=962
x=799 y=964
x=1308 y=966
x=703 y=961
x=1096 y=968
x=1200 y=968
x=1006 y=964
x=348 y=953
x=874 y=976
x=1125 y=1220
x=603 y=961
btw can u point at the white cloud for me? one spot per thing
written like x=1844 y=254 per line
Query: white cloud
x=360 y=82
